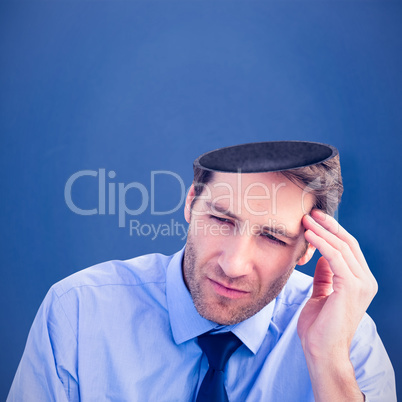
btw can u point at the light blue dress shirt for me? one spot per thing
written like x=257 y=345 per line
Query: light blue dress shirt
x=127 y=331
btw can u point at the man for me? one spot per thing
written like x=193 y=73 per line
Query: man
x=156 y=328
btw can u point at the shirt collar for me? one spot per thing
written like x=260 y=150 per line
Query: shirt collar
x=187 y=324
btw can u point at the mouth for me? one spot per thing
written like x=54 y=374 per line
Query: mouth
x=229 y=292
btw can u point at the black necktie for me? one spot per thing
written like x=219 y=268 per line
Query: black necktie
x=218 y=349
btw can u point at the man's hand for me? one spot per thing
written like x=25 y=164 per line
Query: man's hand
x=343 y=288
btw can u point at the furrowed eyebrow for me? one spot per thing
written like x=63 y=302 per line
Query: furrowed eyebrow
x=279 y=232
x=264 y=229
x=222 y=210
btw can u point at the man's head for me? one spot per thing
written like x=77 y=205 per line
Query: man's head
x=323 y=180
x=246 y=236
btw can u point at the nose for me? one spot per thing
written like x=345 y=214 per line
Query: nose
x=236 y=258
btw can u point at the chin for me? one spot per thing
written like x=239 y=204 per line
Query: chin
x=222 y=320
x=218 y=314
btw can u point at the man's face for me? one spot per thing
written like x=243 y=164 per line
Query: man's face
x=244 y=240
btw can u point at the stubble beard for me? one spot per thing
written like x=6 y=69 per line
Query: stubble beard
x=225 y=311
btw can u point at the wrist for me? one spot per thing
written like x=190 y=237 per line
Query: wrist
x=333 y=379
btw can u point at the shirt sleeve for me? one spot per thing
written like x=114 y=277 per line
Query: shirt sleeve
x=47 y=370
x=373 y=369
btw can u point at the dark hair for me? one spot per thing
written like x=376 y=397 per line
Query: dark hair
x=323 y=180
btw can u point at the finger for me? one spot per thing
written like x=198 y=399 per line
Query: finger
x=331 y=246
x=343 y=265
x=330 y=224
x=322 y=283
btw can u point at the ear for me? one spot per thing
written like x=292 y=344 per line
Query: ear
x=307 y=255
x=189 y=200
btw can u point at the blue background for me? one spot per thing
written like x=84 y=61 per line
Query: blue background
x=136 y=87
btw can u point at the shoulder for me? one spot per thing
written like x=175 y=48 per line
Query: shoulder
x=110 y=292
x=142 y=270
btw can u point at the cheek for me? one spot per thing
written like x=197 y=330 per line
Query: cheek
x=207 y=246
x=210 y=239
x=273 y=264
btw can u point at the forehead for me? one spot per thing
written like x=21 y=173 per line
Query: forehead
x=255 y=193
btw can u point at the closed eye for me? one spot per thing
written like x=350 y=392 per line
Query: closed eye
x=221 y=220
x=270 y=237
